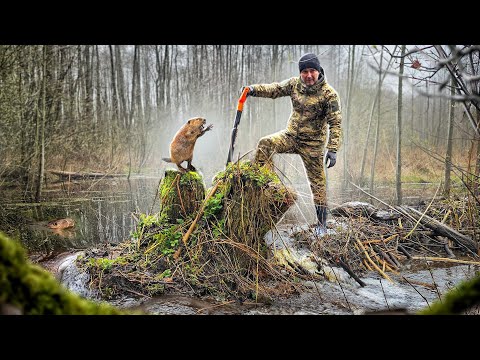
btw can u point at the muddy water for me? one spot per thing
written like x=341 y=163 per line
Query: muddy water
x=103 y=212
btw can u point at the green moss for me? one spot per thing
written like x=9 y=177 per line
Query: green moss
x=457 y=300
x=214 y=205
x=106 y=264
x=181 y=195
x=155 y=289
x=165 y=274
x=147 y=220
x=34 y=290
x=166 y=241
x=218 y=228
x=190 y=176
x=260 y=175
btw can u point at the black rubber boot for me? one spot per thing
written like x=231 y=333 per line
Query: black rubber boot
x=321 y=228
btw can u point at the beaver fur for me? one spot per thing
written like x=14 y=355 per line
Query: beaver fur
x=183 y=143
x=61 y=223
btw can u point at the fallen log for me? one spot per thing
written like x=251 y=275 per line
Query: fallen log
x=443 y=230
x=83 y=175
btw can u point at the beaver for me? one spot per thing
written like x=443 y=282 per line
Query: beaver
x=181 y=147
x=61 y=223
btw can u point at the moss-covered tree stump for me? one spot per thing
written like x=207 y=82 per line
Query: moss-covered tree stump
x=248 y=202
x=181 y=195
x=255 y=202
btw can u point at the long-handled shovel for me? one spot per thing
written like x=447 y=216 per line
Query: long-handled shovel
x=241 y=101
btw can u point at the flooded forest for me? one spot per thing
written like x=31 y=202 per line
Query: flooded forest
x=89 y=205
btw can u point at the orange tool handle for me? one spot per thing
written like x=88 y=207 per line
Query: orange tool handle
x=242 y=99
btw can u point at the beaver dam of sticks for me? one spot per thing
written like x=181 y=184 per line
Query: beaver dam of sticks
x=212 y=242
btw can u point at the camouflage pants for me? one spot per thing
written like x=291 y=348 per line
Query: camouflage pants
x=311 y=153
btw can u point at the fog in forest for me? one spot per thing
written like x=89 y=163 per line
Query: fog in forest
x=115 y=108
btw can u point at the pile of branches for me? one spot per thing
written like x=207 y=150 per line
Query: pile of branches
x=368 y=239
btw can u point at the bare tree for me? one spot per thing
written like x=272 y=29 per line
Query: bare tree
x=346 y=119
x=448 y=156
x=41 y=128
x=377 y=129
x=398 y=174
x=372 y=111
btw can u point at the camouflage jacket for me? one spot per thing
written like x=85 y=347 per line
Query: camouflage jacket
x=312 y=109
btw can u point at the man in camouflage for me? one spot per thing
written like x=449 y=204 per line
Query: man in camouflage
x=315 y=106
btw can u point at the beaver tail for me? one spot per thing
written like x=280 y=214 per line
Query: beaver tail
x=169 y=160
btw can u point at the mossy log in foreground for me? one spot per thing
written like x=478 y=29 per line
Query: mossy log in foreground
x=33 y=290
x=461 y=298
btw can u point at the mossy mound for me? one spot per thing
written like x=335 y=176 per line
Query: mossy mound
x=142 y=265
x=33 y=290
x=223 y=255
x=247 y=204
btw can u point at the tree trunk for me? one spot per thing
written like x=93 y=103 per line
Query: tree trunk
x=115 y=121
x=88 y=88
x=442 y=229
x=181 y=195
x=346 y=120
x=133 y=98
x=398 y=176
x=411 y=118
x=448 y=156
x=370 y=120
x=377 y=130
x=121 y=87
x=166 y=75
x=80 y=85
x=98 y=91
x=476 y=182
x=427 y=111
x=41 y=159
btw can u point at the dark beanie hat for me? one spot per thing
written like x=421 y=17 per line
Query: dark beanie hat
x=309 y=61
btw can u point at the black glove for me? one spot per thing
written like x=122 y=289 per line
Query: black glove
x=250 y=90
x=332 y=156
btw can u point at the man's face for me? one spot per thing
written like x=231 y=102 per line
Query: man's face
x=309 y=76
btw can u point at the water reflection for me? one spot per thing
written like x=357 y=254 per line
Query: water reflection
x=102 y=211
